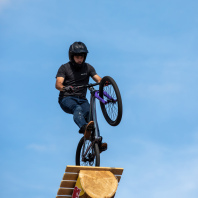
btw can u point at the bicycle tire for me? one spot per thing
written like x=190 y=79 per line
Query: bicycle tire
x=92 y=157
x=112 y=111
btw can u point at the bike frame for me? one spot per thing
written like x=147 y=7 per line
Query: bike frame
x=105 y=94
x=92 y=112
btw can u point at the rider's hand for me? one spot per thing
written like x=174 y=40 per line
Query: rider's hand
x=68 y=89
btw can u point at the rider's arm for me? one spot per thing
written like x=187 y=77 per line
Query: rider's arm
x=96 y=78
x=59 y=83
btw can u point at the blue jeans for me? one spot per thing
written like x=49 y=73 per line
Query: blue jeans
x=79 y=107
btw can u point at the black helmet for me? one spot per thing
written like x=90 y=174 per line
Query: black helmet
x=77 y=48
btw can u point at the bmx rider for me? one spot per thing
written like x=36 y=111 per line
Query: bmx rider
x=72 y=101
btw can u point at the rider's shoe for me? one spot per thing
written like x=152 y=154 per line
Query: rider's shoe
x=82 y=129
x=88 y=129
x=103 y=147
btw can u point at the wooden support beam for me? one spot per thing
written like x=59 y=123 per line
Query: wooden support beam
x=65 y=191
x=70 y=176
x=67 y=184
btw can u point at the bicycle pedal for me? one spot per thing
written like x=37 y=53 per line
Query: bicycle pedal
x=103 y=149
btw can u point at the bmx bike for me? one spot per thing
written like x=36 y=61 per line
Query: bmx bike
x=87 y=152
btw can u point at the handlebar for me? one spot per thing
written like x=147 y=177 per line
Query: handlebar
x=87 y=86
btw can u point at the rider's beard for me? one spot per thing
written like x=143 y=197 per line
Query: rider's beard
x=77 y=66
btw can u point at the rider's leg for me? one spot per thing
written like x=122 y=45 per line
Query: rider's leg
x=71 y=105
x=78 y=116
x=86 y=129
x=81 y=113
x=80 y=110
x=81 y=122
x=67 y=104
x=86 y=107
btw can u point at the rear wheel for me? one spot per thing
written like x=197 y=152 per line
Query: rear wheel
x=92 y=156
x=112 y=109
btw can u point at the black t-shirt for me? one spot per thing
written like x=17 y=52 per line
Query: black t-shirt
x=74 y=77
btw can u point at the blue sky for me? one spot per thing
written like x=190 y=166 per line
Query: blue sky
x=148 y=47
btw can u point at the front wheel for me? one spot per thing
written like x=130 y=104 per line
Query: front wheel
x=112 y=103
x=87 y=153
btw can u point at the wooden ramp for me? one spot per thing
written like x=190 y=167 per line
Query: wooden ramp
x=89 y=182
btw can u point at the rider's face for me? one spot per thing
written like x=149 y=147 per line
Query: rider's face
x=79 y=59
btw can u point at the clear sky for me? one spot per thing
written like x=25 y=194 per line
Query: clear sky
x=149 y=47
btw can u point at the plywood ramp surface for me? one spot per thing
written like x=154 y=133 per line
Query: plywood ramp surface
x=76 y=169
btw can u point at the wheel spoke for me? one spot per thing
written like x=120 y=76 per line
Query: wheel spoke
x=89 y=158
x=112 y=110
x=111 y=107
